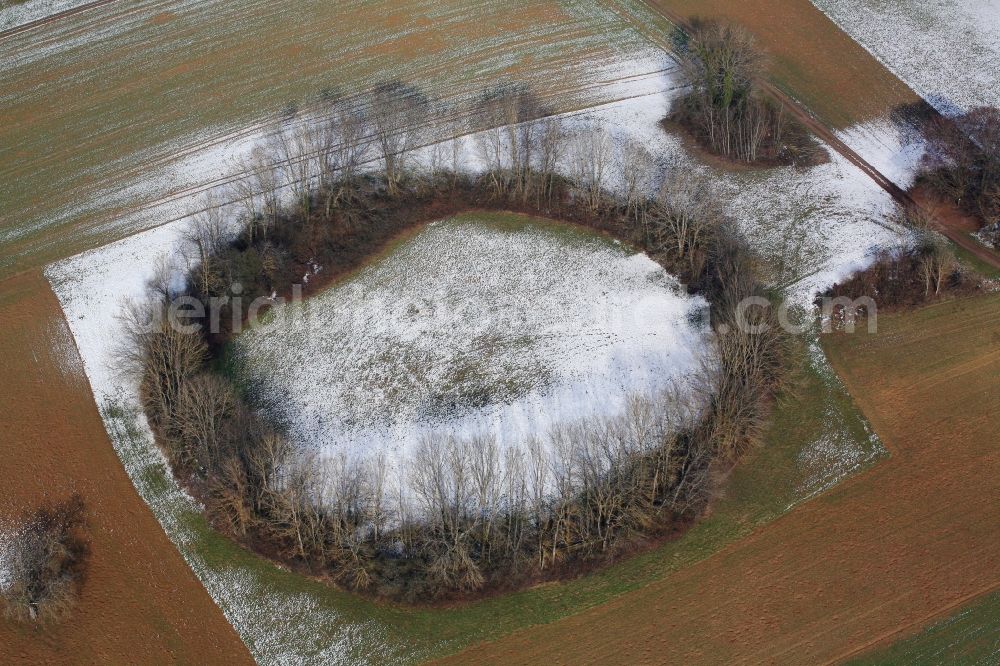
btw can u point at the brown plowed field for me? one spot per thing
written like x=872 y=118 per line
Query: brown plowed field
x=877 y=557
x=141 y=602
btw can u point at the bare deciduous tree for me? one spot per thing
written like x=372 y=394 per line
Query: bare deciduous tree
x=397 y=113
x=637 y=174
x=687 y=211
x=205 y=408
x=590 y=159
x=160 y=354
x=206 y=235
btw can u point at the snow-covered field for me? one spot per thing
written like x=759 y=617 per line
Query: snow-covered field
x=212 y=161
x=817 y=225
x=473 y=329
x=813 y=225
x=90 y=160
x=13 y=14
x=948 y=51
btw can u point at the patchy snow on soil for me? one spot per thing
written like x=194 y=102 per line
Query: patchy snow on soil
x=212 y=160
x=819 y=224
x=470 y=329
x=814 y=226
x=948 y=51
x=835 y=455
x=14 y=14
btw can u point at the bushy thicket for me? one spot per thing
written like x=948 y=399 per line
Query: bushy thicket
x=726 y=110
x=45 y=562
x=476 y=514
x=962 y=162
x=924 y=271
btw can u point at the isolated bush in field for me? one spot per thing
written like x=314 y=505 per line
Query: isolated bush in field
x=962 y=161
x=46 y=562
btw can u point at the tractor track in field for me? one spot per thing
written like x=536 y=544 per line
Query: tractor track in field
x=828 y=136
x=52 y=18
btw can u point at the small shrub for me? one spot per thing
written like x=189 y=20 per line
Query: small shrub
x=46 y=562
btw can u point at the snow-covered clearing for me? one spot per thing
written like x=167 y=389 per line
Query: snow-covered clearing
x=948 y=51
x=814 y=225
x=472 y=329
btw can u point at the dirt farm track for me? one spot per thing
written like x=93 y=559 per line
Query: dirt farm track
x=876 y=558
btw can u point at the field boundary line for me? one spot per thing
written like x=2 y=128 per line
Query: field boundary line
x=923 y=622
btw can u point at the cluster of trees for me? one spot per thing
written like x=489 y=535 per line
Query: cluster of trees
x=926 y=270
x=962 y=163
x=45 y=562
x=463 y=515
x=726 y=110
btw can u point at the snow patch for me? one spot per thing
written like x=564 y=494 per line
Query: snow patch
x=894 y=148
x=14 y=14
x=7 y=536
x=834 y=455
x=472 y=330
x=946 y=50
